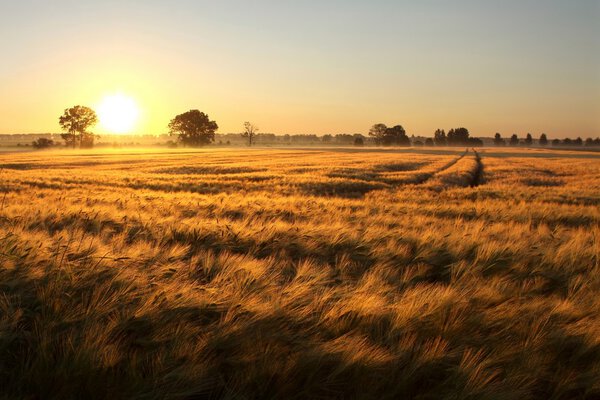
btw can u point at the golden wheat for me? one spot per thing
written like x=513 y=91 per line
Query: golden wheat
x=300 y=274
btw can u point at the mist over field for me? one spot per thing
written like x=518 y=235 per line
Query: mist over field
x=300 y=200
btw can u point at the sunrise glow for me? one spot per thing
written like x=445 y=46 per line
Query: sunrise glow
x=118 y=113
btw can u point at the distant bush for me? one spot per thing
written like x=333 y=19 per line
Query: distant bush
x=42 y=143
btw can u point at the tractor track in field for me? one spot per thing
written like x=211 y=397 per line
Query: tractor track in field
x=426 y=177
x=478 y=175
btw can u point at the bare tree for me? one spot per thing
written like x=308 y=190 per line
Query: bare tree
x=250 y=131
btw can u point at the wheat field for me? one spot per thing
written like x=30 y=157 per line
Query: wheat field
x=300 y=273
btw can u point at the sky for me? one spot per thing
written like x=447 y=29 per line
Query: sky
x=328 y=66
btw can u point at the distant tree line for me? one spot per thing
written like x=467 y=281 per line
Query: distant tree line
x=528 y=141
x=194 y=128
x=455 y=137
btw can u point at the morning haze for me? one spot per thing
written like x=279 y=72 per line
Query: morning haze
x=300 y=200
x=309 y=67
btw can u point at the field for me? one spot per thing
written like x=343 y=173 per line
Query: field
x=300 y=273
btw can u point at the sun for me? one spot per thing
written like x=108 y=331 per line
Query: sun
x=118 y=113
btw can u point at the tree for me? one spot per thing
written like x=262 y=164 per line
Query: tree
x=514 y=140
x=543 y=140
x=76 y=121
x=556 y=142
x=327 y=138
x=578 y=142
x=567 y=142
x=439 y=138
x=42 y=143
x=458 y=137
x=396 y=135
x=429 y=142
x=378 y=132
x=359 y=141
x=193 y=128
x=250 y=131
x=528 y=139
x=589 y=142
x=498 y=141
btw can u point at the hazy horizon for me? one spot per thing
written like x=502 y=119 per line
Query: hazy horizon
x=316 y=67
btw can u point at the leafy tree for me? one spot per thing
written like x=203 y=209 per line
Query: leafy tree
x=514 y=140
x=589 y=142
x=528 y=139
x=344 y=138
x=556 y=142
x=378 y=132
x=76 y=121
x=429 y=142
x=193 y=128
x=458 y=137
x=498 y=141
x=250 y=131
x=327 y=138
x=439 y=138
x=578 y=142
x=567 y=142
x=396 y=135
x=543 y=140
x=42 y=143
x=359 y=141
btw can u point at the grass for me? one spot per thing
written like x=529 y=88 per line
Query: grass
x=300 y=274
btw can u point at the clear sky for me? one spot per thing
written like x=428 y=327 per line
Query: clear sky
x=328 y=66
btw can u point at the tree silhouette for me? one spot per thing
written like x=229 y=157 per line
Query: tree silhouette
x=377 y=131
x=498 y=141
x=396 y=135
x=556 y=142
x=429 y=142
x=543 y=140
x=193 y=128
x=76 y=121
x=514 y=140
x=578 y=142
x=528 y=139
x=439 y=138
x=458 y=137
x=250 y=131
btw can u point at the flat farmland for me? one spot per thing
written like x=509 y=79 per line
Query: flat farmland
x=300 y=273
